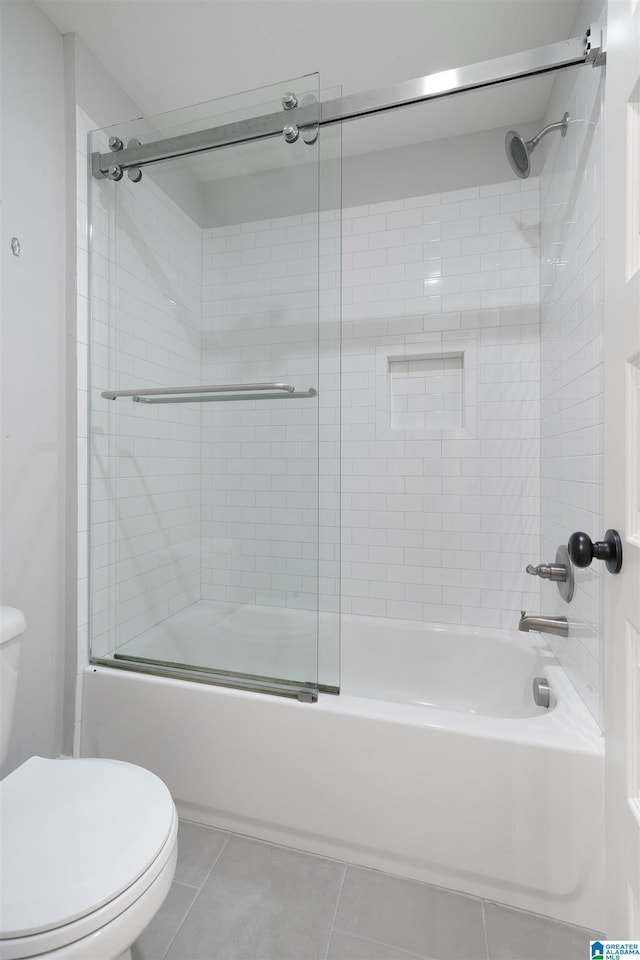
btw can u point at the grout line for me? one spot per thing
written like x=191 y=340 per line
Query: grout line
x=215 y=862
x=198 y=890
x=179 y=927
x=484 y=929
x=232 y=834
x=181 y=883
x=539 y=916
x=390 y=946
x=335 y=912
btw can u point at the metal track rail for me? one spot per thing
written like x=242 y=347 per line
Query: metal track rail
x=435 y=86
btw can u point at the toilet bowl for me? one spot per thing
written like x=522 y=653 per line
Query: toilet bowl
x=87 y=855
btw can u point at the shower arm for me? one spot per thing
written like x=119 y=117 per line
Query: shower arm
x=560 y=125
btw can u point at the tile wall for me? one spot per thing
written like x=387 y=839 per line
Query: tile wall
x=571 y=358
x=260 y=459
x=271 y=469
x=439 y=515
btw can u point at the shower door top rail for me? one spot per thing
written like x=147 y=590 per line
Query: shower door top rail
x=555 y=56
x=224 y=391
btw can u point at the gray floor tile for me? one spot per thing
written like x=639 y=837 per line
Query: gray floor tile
x=261 y=902
x=414 y=916
x=198 y=848
x=153 y=943
x=344 y=946
x=514 y=935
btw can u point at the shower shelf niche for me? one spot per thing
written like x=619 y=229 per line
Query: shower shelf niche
x=427 y=390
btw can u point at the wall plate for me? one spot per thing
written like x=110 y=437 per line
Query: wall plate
x=565 y=587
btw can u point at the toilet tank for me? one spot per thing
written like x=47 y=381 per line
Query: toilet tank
x=12 y=626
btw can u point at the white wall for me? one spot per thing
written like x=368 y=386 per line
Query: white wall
x=571 y=361
x=33 y=521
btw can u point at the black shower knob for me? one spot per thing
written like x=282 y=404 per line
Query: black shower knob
x=583 y=550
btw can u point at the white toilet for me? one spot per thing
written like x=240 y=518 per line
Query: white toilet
x=87 y=847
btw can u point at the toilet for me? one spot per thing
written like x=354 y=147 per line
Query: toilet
x=87 y=847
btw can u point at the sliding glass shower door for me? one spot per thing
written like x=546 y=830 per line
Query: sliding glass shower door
x=206 y=403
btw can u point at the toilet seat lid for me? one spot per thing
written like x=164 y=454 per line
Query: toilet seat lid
x=74 y=835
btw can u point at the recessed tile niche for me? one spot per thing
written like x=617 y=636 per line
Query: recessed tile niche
x=427 y=390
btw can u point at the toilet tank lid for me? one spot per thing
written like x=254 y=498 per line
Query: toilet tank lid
x=12 y=623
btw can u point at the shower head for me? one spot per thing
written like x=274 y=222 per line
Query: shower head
x=519 y=150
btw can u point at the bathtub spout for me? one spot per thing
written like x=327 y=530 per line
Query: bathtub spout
x=557 y=625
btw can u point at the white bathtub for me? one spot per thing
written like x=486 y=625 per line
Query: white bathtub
x=433 y=763
x=486 y=673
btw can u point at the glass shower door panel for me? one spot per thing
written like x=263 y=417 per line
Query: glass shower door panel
x=205 y=504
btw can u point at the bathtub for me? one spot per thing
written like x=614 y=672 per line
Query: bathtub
x=433 y=763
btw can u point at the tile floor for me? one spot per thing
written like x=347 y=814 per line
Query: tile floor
x=234 y=898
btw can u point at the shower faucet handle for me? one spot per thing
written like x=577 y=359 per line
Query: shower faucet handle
x=549 y=571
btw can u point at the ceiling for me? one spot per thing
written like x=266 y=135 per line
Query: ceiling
x=170 y=53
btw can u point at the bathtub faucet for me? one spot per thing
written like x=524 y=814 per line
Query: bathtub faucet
x=557 y=625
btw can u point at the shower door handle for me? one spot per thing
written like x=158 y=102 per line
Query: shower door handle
x=213 y=388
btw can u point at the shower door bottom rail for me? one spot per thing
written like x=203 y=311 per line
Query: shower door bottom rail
x=306 y=692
